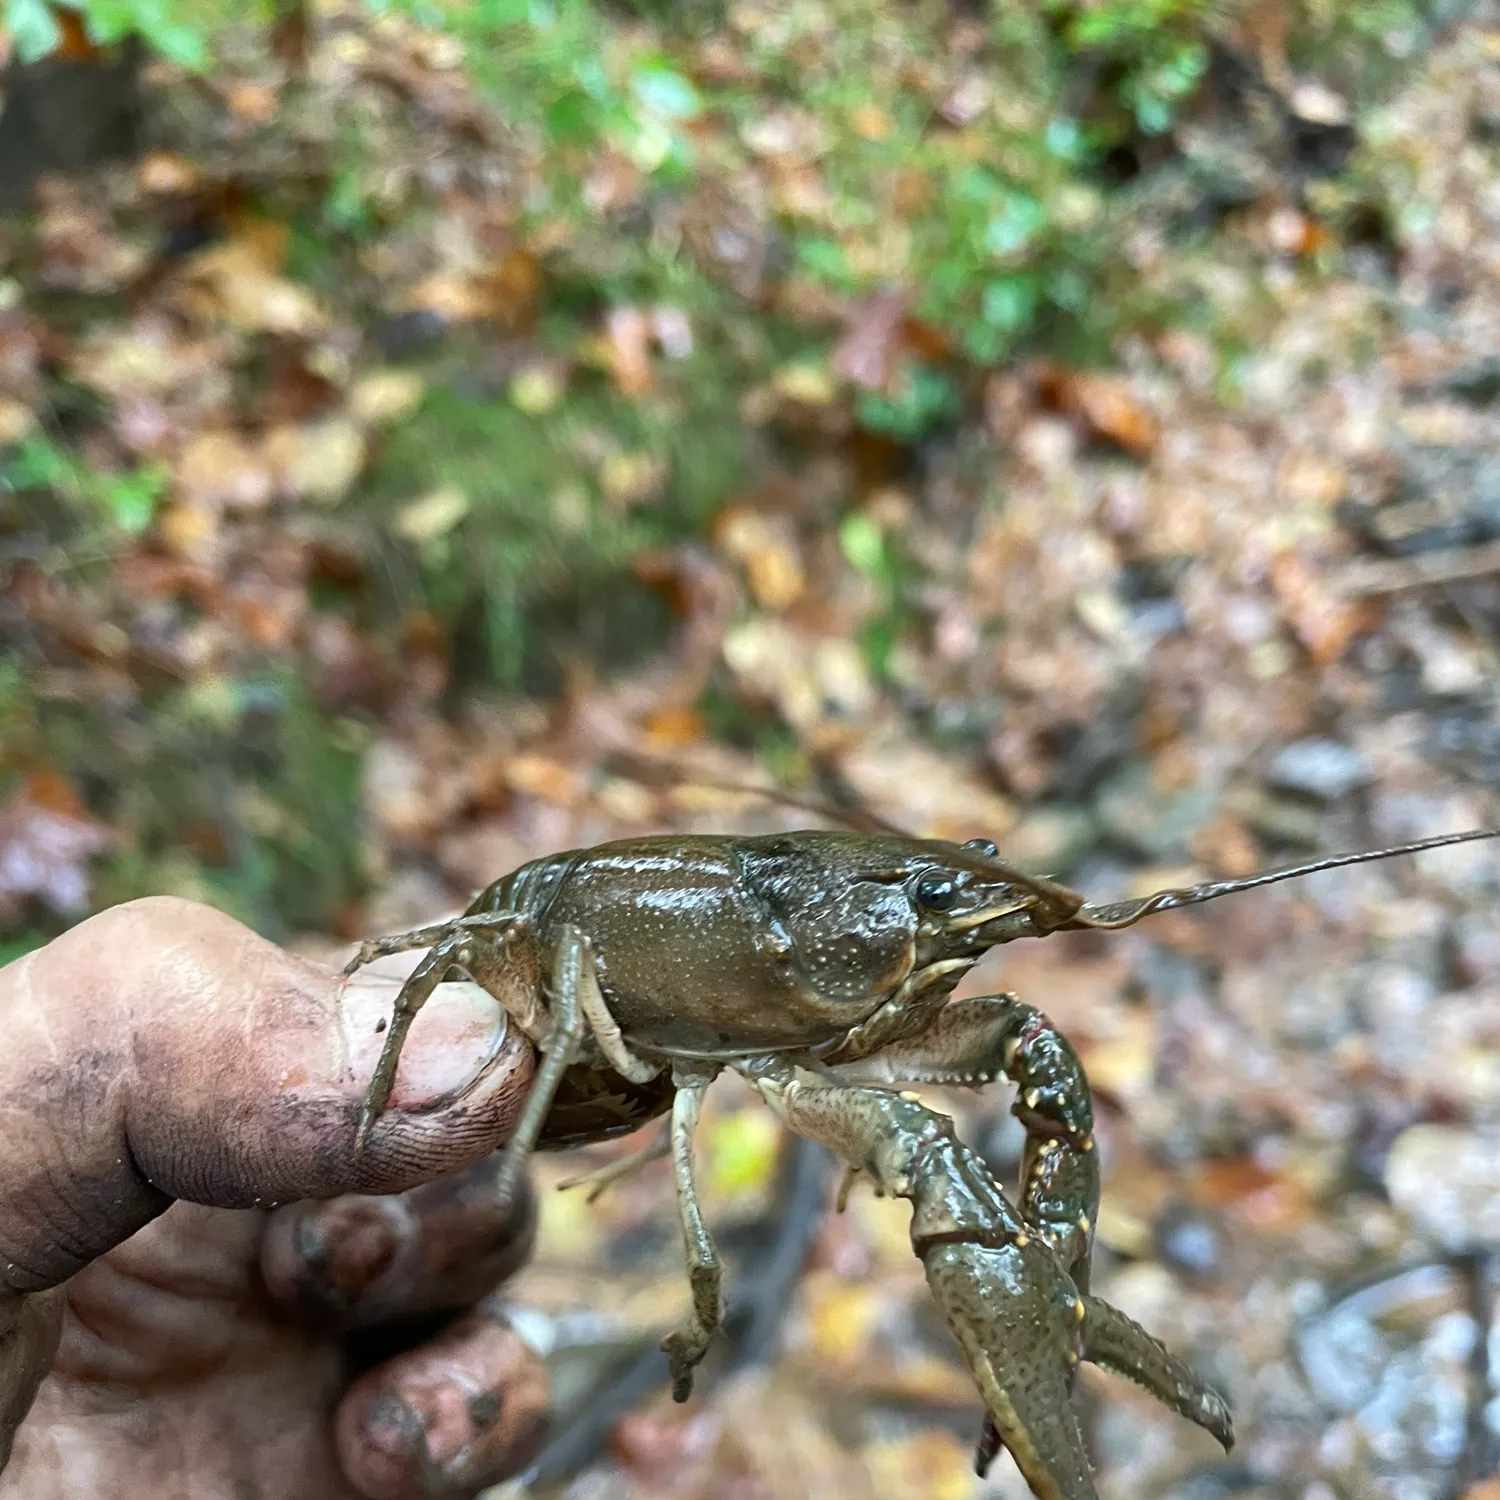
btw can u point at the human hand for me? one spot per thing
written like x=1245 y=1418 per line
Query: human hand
x=167 y=1079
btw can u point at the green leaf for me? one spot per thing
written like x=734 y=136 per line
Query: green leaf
x=132 y=498
x=825 y=259
x=1011 y=303
x=34 y=28
x=665 y=92
x=571 y=117
x=863 y=543
x=1015 y=226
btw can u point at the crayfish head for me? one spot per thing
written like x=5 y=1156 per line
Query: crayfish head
x=968 y=900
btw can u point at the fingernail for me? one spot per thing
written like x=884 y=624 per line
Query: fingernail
x=457 y=1034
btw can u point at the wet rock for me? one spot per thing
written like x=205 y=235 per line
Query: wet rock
x=1280 y=820
x=1448 y=497
x=1394 y=1356
x=1477 y=382
x=1189 y=1241
x=1447 y=1179
x=1149 y=820
x=1051 y=838
x=1324 y=769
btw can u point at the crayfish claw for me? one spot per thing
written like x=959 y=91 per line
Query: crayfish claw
x=1118 y=1343
x=1012 y=1310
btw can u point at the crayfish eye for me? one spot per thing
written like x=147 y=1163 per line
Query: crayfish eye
x=984 y=846
x=935 y=891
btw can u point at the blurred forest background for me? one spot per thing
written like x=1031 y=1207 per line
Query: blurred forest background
x=437 y=434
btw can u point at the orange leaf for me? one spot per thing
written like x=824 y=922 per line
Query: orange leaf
x=548 y=780
x=1257 y=1197
x=673 y=728
x=1322 y=620
x=1107 y=405
x=627 y=343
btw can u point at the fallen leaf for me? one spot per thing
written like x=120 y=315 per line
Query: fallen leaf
x=673 y=728
x=631 y=478
x=255 y=103
x=627 y=347
x=550 y=780
x=809 y=384
x=385 y=396
x=165 y=174
x=316 y=461
x=866 y=355
x=1106 y=404
x=1260 y=1199
x=16 y=420
x=47 y=839
x=432 y=516
x=1325 y=622
x=220 y=468
x=538 y=389
x=241 y=284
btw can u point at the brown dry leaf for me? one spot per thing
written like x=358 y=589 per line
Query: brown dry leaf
x=81 y=249
x=454 y=296
x=1226 y=846
x=316 y=461
x=1307 y=479
x=165 y=174
x=220 y=468
x=516 y=286
x=190 y=531
x=550 y=780
x=1321 y=619
x=1106 y=404
x=627 y=349
x=16 y=420
x=240 y=282
x=47 y=839
x=255 y=103
x=842 y=1317
x=150 y=357
x=1122 y=1063
x=765 y=546
x=867 y=354
x=924 y=792
x=385 y=396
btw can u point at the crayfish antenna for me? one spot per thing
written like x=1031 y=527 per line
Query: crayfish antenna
x=1127 y=913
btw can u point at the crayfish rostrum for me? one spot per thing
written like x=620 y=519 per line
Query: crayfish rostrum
x=820 y=966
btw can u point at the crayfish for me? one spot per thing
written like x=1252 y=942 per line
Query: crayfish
x=820 y=966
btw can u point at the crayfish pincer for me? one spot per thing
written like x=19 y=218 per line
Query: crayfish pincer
x=820 y=966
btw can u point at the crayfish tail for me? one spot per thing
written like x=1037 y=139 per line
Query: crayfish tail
x=1118 y=1343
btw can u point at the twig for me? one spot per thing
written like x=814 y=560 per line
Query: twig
x=1364 y=580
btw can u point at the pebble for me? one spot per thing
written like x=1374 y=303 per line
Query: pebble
x=1150 y=821
x=1324 y=769
x=1447 y=1179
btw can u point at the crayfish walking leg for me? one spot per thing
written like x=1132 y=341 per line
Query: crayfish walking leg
x=686 y=1345
x=1020 y=1319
